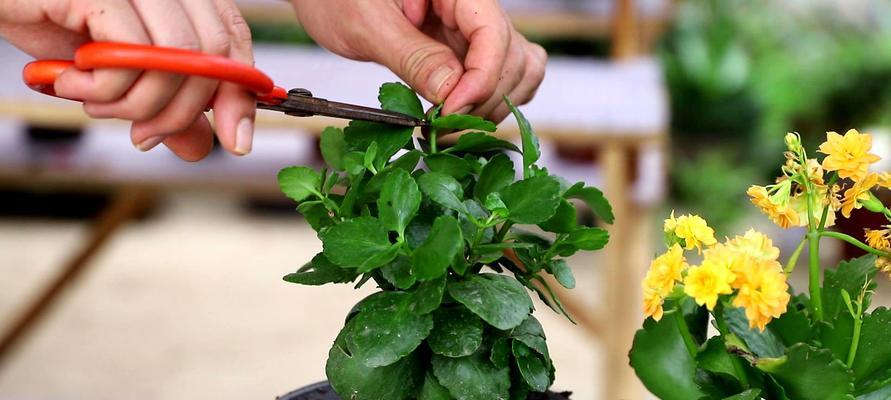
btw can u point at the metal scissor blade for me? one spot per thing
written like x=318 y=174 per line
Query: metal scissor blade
x=300 y=104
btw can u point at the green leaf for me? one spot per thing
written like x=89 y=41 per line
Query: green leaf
x=472 y=378
x=562 y=273
x=397 y=97
x=432 y=390
x=352 y=379
x=369 y=159
x=588 y=238
x=399 y=200
x=496 y=175
x=333 y=147
x=427 y=296
x=872 y=364
x=793 y=326
x=299 y=183
x=882 y=393
x=594 y=198
x=320 y=271
x=532 y=200
x=808 y=373
x=480 y=142
x=531 y=151
x=763 y=344
x=499 y=300
x=444 y=190
x=751 y=394
x=398 y=272
x=532 y=368
x=713 y=357
x=379 y=259
x=564 y=219
x=662 y=362
x=432 y=259
x=448 y=164
x=850 y=276
x=462 y=122
x=457 y=332
x=836 y=337
x=408 y=161
x=315 y=213
x=500 y=354
x=387 y=329
x=351 y=243
x=389 y=138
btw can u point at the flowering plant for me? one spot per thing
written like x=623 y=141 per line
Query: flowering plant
x=770 y=342
x=442 y=241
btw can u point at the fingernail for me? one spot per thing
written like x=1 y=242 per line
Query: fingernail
x=438 y=79
x=244 y=136
x=464 y=110
x=149 y=143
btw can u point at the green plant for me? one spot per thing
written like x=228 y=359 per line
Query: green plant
x=772 y=343
x=436 y=238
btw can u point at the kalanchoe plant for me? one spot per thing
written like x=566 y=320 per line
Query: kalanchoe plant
x=439 y=231
x=772 y=343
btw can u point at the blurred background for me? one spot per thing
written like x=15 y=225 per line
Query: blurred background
x=137 y=275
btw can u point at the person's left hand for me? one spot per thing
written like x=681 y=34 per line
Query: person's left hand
x=465 y=53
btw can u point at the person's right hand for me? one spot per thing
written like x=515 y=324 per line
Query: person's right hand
x=164 y=107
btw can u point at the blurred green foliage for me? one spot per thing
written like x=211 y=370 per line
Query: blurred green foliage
x=742 y=73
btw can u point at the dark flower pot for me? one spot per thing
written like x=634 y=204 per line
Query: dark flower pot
x=323 y=391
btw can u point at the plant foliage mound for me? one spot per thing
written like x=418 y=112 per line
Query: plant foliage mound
x=440 y=231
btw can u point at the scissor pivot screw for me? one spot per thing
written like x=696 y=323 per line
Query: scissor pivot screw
x=300 y=92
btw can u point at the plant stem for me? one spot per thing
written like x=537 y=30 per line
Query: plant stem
x=887 y=212
x=826 y=207
x=684 y=330
x=813 y=238
x=855 y=339
x=793 y=260
x=433 y=140
x=860 y=245
x=505 y=227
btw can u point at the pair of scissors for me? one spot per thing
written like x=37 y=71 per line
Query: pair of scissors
x=41 y=75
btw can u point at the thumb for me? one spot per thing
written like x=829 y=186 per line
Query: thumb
x=430 y=67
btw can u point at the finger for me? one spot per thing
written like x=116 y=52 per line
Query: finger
x=234 y=107
x=415 y=11
x=103 y=20
x=428 y=66
x=508 y=78
x=536 y=60
x=179 y=114
x=488 y=31
x=194 y=143
x=168 y=25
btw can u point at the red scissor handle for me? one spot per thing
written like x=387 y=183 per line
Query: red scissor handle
x=41 y=75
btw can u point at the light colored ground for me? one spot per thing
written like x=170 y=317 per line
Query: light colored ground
x=190 y=305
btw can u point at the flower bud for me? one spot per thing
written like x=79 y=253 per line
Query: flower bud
x=793 y=142
x=872 y=204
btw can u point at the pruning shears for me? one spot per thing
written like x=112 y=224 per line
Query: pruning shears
x=41 y=75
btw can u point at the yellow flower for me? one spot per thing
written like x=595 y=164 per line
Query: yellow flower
x=879 y=238
x=708 y=281
x=665 y=270
x=765 y=293
x=755 y=244
x=860 y=191
x=885 y=180
x=694 y=231
x=652 y=305
x=848 y=154
x=781 y=214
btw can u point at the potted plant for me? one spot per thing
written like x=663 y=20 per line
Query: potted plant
x=440 y=232
x=771 y=342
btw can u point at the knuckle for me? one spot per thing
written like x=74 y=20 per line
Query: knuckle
x=239 y=29
x=420 y=60
x=218 y=42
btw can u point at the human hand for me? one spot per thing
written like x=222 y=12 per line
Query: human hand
x=164 y=107
x=464 y=53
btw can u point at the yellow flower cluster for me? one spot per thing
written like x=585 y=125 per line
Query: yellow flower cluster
x=848 y=154
x=744 y=267
x=880 y=239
